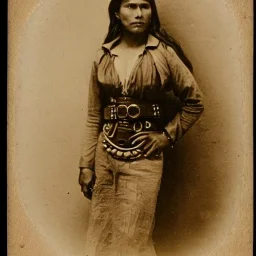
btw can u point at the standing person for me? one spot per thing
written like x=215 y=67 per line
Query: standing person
x=127 y=130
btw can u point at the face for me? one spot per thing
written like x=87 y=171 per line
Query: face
x=135 y=15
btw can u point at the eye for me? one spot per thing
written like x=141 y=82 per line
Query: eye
x=145 y=6
x=131 y=6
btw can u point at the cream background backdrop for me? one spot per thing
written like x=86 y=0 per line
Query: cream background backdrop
x=205 y=204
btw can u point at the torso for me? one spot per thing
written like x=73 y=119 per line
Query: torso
x=135 y=73
x=126 y=61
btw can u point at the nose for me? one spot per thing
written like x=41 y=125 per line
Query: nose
x=138 y=13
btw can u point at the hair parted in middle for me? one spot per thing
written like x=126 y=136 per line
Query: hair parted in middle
x=115 y=29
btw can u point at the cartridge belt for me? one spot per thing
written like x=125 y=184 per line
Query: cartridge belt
x=117 y=137
x=132 y=111
x=124 y=117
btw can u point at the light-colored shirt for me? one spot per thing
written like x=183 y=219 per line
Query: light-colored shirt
x=157 y=71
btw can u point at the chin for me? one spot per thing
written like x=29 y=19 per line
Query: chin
x=137 y=31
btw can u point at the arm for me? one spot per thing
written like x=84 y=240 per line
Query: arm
x=94 y=121
x=187 y=90
x=92 y=130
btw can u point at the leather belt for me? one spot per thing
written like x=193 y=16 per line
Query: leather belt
x=125 y=117
x=117 y=136
x=128 y=109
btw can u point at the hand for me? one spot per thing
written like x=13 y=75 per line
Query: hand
x=154 y=141
x=86 y=181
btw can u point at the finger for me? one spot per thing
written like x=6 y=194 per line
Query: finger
x=143 y=137
x=146 y=150
x=84 y=188
x=85 y=179
x=139 y=134
x=81 y=178
x=150 y=151
x=148 y=145
x=142 y=143
x=84 y=183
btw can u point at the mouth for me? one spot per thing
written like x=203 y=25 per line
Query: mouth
x=138 y=23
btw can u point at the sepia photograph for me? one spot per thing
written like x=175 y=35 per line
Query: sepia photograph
x=130 y=128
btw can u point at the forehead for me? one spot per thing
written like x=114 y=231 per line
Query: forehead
x=135 y=2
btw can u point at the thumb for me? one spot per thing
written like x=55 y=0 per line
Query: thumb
x=86 y=176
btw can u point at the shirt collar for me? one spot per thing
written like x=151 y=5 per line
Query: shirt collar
x=151 y=43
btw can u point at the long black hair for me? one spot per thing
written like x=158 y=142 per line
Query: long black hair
x=115 y=28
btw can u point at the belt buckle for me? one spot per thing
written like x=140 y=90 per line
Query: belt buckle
x=122 y=111
x=132 y=111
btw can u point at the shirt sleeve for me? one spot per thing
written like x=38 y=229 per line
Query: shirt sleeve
x=93 y=122
x=186 y=89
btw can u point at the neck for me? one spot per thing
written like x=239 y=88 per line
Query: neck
x=134 y=40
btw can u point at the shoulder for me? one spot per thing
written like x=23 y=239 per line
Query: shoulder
x=169 y=54
x=99 y=55
x=166 y=49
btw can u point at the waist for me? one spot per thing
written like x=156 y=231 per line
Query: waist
x=118 y=138
x=125 y=108
x=125 y=117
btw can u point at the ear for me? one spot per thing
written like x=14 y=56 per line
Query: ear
x=117 y=15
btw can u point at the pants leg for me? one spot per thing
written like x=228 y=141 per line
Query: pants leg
x=100 y=221
x=137 y=187
x=123 y=206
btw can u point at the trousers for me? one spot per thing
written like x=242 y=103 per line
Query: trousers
x=122 y=211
